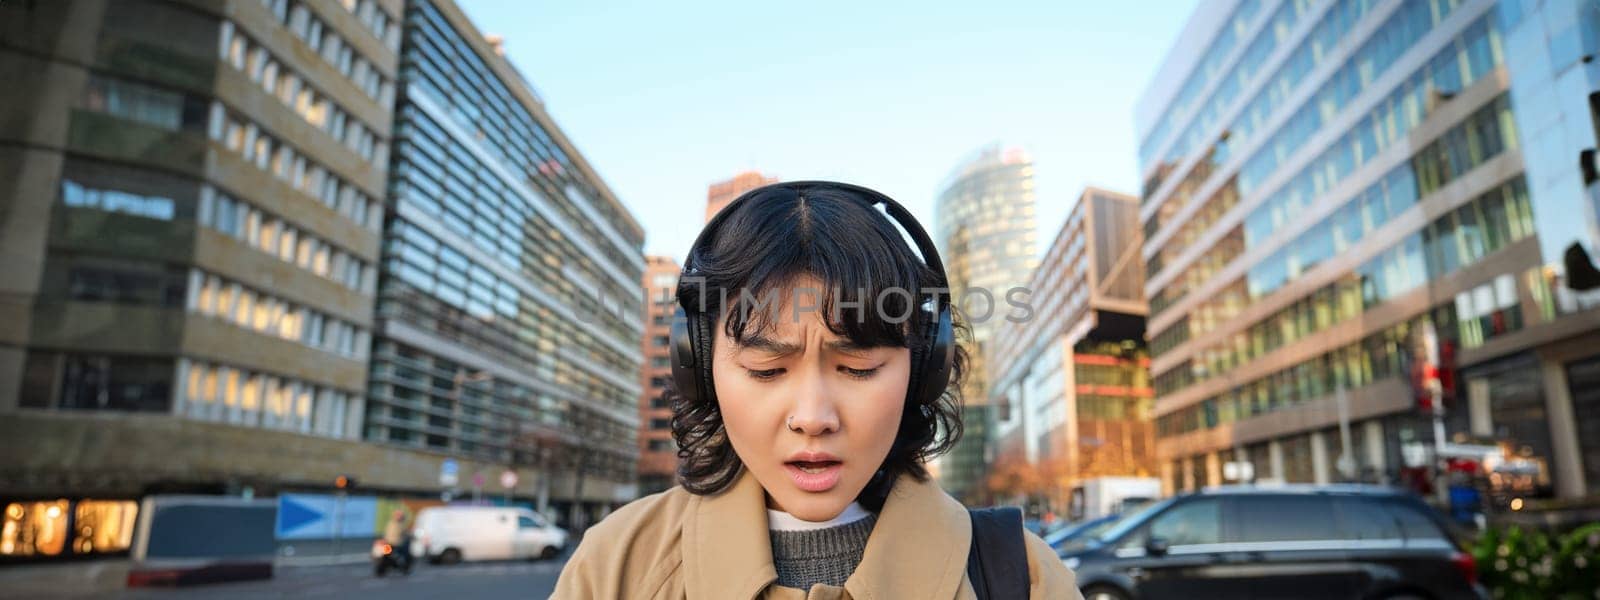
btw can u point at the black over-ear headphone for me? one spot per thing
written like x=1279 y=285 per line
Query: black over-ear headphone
x=692 y=329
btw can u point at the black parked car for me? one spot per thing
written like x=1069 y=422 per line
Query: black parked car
x=1279 y=542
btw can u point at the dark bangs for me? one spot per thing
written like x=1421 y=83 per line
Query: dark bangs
x=870 y=283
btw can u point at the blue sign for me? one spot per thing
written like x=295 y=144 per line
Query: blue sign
x=318 y=516
x=448 y=471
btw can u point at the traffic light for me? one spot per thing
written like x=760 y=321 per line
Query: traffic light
x=344 y=482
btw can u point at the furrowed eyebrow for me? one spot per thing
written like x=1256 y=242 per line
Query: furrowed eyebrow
x=847 y=346
x=777 y=348
x=769 y=345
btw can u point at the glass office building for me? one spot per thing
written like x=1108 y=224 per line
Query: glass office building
x=509 y=311
x=1325 y=179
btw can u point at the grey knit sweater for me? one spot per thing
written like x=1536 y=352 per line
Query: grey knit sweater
x=826 y=556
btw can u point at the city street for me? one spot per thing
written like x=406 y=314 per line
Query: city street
x=458 y=582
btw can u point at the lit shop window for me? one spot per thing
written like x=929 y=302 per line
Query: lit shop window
x=103 y=526
x=34 y=529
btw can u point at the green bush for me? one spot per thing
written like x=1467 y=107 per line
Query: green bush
x=1518 y=564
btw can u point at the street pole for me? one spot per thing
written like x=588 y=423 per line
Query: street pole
x=338 y=521
x=1347 y=457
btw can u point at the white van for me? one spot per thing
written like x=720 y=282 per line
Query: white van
x=450 y=534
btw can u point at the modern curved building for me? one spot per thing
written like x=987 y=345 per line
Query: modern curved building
x=984 y=227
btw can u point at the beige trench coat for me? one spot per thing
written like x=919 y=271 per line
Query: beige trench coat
x=676 y=545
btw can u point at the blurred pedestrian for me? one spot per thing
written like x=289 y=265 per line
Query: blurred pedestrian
x=398 y=536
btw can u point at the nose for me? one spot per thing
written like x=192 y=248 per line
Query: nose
x=813 y=412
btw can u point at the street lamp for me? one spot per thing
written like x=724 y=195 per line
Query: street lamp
x=461 y=378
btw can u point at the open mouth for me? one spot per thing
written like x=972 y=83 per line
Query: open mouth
x=814 y=467
x=814 y=475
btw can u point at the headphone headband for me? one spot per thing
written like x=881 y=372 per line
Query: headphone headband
x=896 y=212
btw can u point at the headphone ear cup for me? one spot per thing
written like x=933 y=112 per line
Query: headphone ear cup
x=702 y=353
x=919 y=361
x=685 y=362
x=940 y=356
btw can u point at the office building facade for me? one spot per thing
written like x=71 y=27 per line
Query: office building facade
x=658 y=453
x=191 y=222
x=984 y=229
x=1324 y=182
x=721 y=193
x=509 y=306
x=1069 y=377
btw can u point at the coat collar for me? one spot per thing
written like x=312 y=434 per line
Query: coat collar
x=918 y=548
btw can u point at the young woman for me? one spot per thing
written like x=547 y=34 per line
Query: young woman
x=815 y=372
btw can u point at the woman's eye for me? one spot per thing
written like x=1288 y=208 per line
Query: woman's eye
x=859 y=373
x=763 y=375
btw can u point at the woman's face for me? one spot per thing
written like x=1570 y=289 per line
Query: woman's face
x=811 y=415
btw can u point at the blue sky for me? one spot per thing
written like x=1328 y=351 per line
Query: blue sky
x=666 y=98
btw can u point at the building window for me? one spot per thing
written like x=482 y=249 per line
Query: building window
x=80 y=278
x=269 y=234
x=279 y=159
x=661 y=424
x=267 y=314
x=40 y=528
x=124 y=383
x=147 y=104
x=34 y=529
x=662 y=446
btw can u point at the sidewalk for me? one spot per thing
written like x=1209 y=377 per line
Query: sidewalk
x=65 y=580
x=91 y=577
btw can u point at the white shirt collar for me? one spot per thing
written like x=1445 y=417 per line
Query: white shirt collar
x=778 y=520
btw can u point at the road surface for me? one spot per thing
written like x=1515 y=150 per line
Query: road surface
x=454 y=582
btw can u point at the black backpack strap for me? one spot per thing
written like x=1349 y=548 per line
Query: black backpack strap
x=997 y=563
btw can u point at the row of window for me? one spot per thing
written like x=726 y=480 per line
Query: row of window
x=1316 y=47
x=326 y=42
x=91 y=278
x=419 y=399
x=449 y=183
x=265 y=313
x=1466 y=59
x=226 y=394
x=1376 y=357
x=1491 y=310
x=1206 y=71
x=282 y=161
x=1476 y=140
x=1246 y=70
x=1453 y=240
x=545 y=346
x=276 y=237
x=447 y=274
x=316 y=108
x=373 y=17
x=143 y=103
x=149 y=206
